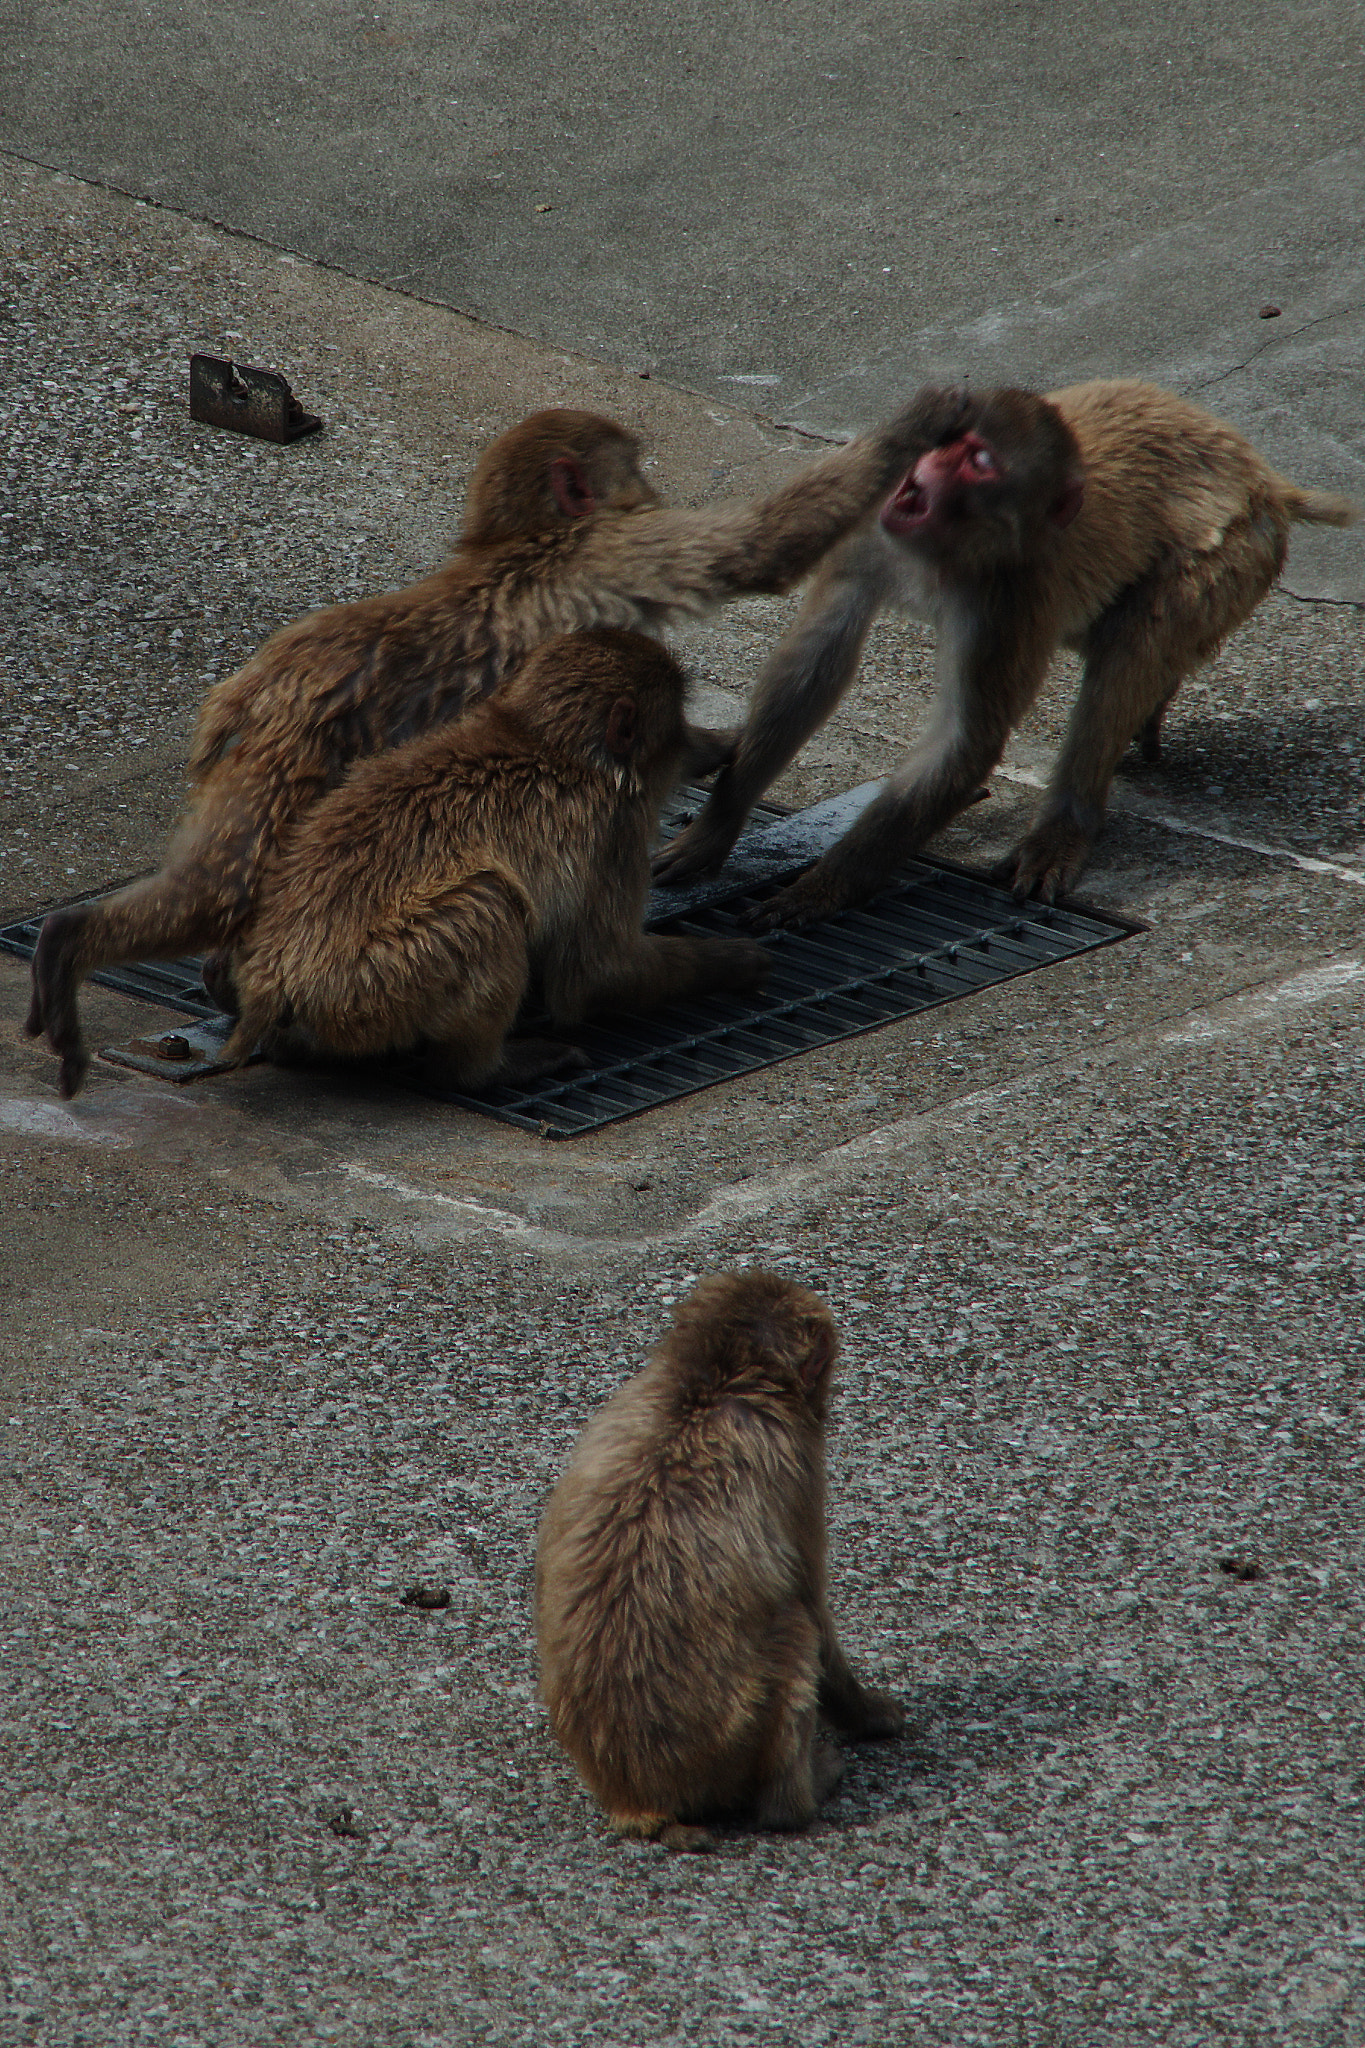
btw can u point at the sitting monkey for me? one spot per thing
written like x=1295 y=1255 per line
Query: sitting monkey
x=418 y=903
x=687 y=1652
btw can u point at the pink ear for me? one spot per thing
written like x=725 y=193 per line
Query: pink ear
x=1067 y=503
x=573 y=494
x=621 y=726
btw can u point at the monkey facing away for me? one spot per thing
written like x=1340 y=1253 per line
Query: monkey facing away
x=1113 y=518
x=562 y=531
x=419 y=902
x=688 y=1656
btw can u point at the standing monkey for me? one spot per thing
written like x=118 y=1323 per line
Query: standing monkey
x=687 y=1652
x=416 y=904
x=1113 y=518
x=561 y=531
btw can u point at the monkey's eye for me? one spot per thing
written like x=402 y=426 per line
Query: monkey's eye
x=982 y=461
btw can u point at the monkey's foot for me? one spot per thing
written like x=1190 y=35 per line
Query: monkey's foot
x=826 y=1771
x=738 y=965
x=536 y=1059
x=1045 y=864
x=694 y=1841
x=804 y=901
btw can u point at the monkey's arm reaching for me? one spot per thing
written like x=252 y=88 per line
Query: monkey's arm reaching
x=675 y=563
x=987 y=678
x=797 y=689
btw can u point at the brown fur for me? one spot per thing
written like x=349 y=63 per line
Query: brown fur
x=417 y=904
x=563 y=532
x=687 y=1652
x=1181 y=530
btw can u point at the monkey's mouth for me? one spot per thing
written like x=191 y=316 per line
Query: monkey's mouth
x=907 y=508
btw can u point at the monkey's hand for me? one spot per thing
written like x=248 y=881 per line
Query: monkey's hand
x=1047 y=863
x=709 y=749
x=936 y=415
x=807 y=900
x=699 y=849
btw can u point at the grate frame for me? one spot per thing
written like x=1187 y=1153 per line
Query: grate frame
x=939 y=933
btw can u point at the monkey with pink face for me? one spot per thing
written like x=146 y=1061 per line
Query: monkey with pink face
x=1113 y=518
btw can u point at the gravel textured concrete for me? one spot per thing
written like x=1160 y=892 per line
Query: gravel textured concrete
x=281 y=1347
x=717 y=194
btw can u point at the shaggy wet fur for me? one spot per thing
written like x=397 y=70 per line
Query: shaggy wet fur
x=688 y=1657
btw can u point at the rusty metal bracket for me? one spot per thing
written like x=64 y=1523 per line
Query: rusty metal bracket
x=185 y=1055
x=247 y=401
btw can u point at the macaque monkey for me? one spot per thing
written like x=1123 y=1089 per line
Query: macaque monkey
x=1113 y=518
x=688 y=1656
x=561 y=531
x=416 y=905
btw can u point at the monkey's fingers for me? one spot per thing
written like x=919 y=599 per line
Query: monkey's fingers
x=694 y=852
x=804 y=901
x=1044 y=865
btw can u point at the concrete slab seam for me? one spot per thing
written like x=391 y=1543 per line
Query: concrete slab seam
x=1309 y=862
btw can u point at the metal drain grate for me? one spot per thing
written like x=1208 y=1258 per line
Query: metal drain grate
x=940 y=932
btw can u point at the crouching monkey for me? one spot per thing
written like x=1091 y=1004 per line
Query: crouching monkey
x=688 y=1656
x=1113 y=518
x=561 y=531
x=419 y=903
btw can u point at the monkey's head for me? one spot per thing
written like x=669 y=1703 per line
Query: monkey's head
x=996 y=493
x=755 y=1334
x=613 y=697
x=556 y=467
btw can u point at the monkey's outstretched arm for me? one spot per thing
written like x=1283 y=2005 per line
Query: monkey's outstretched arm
x=684 y=562
x=798 y=687
x=987 y=678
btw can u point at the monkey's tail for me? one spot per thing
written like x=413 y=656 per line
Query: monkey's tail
x=1320 y=508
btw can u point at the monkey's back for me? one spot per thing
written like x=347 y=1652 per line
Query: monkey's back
x=352 y=680
x=667 y=1596
x=1162 y=475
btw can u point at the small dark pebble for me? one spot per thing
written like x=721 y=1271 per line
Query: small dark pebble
x=345 y=1824
x=1243 y=1568
x=642 y=1186
x=427 y=1597
x=1270 y=312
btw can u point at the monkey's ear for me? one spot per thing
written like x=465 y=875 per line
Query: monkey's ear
x=818 y=1360
x=573 y=493
x=1068 y=502
x=621 y=726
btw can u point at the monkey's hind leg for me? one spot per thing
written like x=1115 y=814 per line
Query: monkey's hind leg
x=1137 y=655
x=169 y=913
x=797 y=1770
